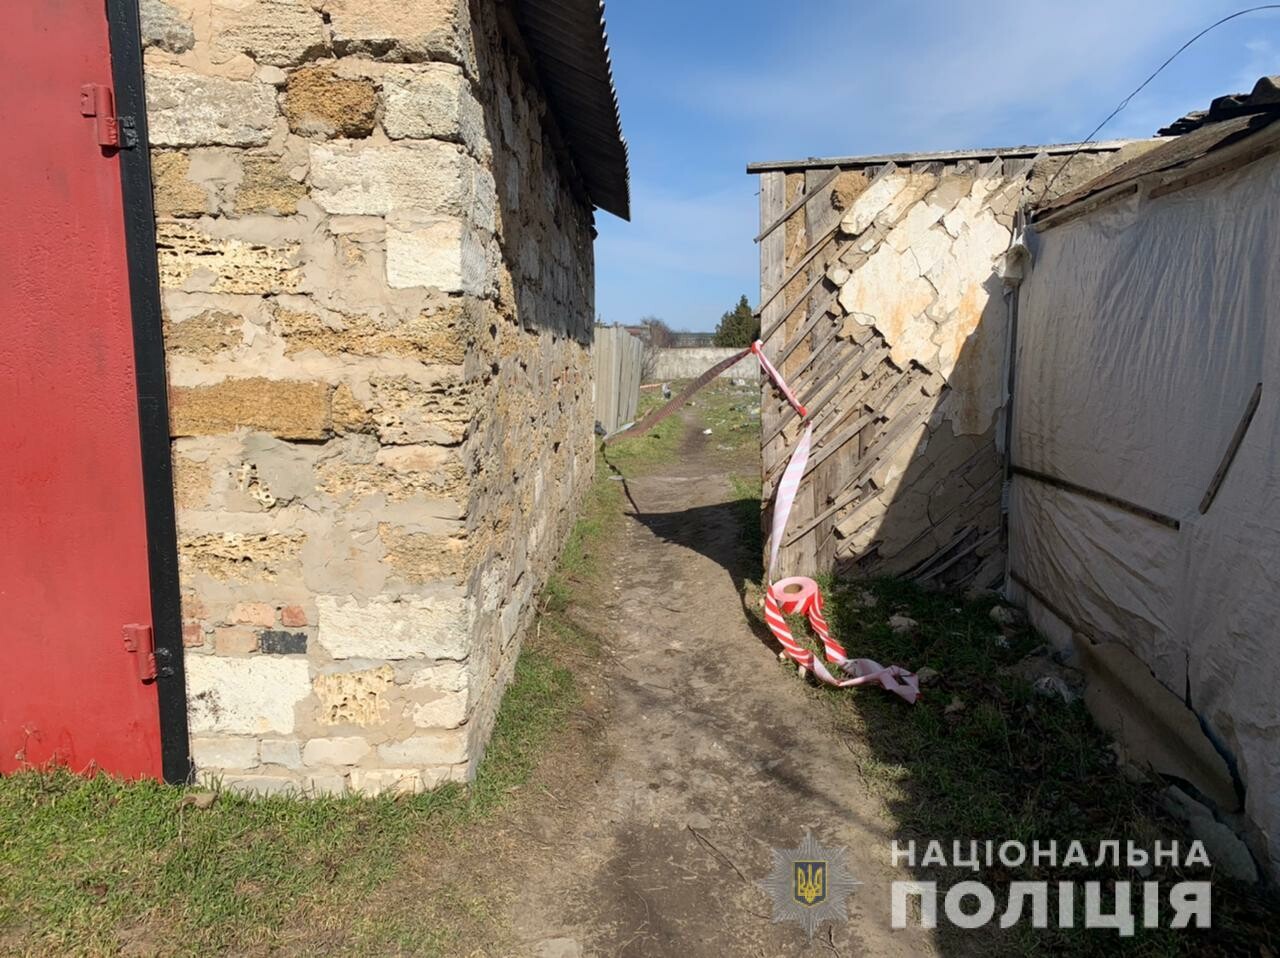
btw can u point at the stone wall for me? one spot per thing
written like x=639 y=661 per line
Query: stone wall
x=691 y=363
x=377 y=282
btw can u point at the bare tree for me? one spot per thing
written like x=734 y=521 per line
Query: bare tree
x=660 y=334
x=657 y=336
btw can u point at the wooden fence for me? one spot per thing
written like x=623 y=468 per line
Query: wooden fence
x=881 y=305
x=618 y=359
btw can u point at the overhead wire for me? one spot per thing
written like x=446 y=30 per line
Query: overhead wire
x=1143 y=85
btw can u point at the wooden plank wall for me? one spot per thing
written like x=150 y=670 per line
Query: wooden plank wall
x=617 y=357
x=891 y=444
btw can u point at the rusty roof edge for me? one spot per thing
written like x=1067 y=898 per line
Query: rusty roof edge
x=987 y=153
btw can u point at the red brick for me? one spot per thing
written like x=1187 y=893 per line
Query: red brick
x=192 y=634
x=293 y=616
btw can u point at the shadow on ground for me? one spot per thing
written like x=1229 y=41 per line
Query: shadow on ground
x=982 y=757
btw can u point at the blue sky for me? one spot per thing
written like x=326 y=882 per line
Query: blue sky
x=706 y=86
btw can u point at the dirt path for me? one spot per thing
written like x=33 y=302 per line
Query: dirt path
x=710 y=756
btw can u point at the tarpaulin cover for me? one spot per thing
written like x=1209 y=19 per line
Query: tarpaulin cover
x=1144 y=329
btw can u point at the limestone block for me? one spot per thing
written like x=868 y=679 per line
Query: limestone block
x=175 y=193
x=348 y=750
x=318 y=101
x=239 y=557
x=432 y=101
x=191 y=258
x=411 y=30
x=237 y=753
x=447 y=711
x=187 y=109
x=165 y=27
x=430 y=178
x=436 y=336
x=440 y=676
x=512 y=614
x=447 y=747
x=204 y=334
x=421 y=557
x=378 y=781
x=405 y=412
x=400 y=473
x=443 y=255
x=248 y=696
x=276 y=32
x=356 y=697
x=329 y=784
x=267 y=187
x=289 y=409
x=404 y=628
x=280 y=751
x=192 y=483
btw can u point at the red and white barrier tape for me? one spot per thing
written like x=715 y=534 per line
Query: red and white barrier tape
x=758 y=348
x=801 y=595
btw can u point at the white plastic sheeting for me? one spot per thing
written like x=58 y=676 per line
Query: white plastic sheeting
x=1145 y=327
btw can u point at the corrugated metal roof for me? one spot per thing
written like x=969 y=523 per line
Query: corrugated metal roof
x=570 y=46
x=944 y=156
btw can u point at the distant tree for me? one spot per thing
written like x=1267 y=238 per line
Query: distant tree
x=660 y=334
x=738 y=327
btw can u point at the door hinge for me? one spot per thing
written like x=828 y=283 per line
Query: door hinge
x=140 y=642
x=113 y=132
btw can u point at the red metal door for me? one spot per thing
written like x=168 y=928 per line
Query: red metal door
x=73 y=533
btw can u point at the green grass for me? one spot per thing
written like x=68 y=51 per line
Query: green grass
x=727 y=411
x=1011 y=765
x=90 y=866
x=660 y=445
x=87 y=863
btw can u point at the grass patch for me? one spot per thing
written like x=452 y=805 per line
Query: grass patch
x=732 y=413
x=87 y=865
x=660 y=445
x=98 y=865
x=1010 y=765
